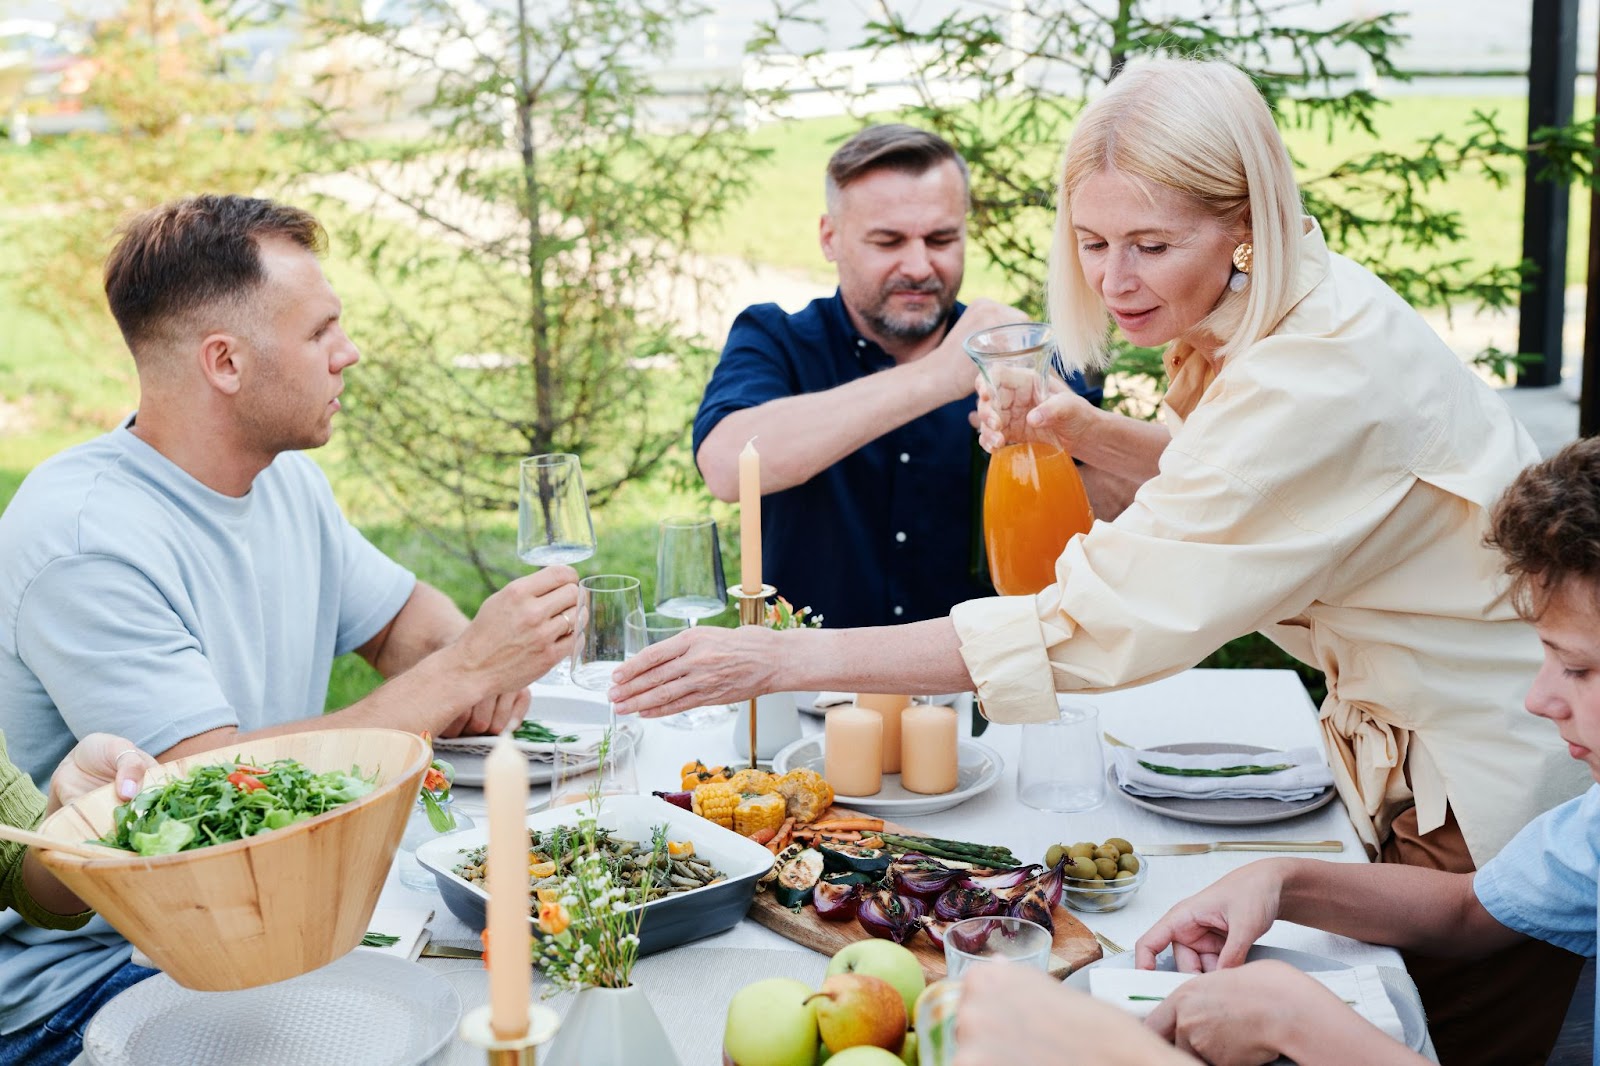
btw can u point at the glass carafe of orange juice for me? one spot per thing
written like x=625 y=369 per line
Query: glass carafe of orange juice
x=1033 y=499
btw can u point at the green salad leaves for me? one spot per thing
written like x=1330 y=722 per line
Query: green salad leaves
x=229 y=801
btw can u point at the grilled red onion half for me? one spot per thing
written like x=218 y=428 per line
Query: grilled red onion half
x=889 y=916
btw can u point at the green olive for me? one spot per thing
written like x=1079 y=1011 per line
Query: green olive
x=1053 y=855
x=1081 y=850
x=1106 y=868
x=1105 y=851
x=1124 y=878
x=1128 y=864
x=1083 y=869
x=1122 y=846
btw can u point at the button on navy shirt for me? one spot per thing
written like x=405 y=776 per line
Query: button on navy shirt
x=885 y=534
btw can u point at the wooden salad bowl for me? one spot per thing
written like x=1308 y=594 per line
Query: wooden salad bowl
x=271 y=906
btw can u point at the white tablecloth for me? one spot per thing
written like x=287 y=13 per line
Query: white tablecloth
x=1262 y=707
x=690 y=986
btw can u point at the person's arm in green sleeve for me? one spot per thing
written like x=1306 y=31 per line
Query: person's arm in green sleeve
x=25 y=885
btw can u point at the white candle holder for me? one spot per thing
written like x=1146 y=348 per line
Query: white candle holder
x=752 y=612
x=521 y=1051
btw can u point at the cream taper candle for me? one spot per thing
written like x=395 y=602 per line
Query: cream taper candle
x=505 y=773
x=750 y=518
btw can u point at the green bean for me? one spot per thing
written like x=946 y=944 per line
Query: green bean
x=538 y=733
x=1221 y=771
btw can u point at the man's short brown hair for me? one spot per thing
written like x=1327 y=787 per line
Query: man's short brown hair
x=893 y=146
x=1547 y=525
x=189 y=254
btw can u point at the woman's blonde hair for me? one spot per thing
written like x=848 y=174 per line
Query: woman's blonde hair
x=1202 y=129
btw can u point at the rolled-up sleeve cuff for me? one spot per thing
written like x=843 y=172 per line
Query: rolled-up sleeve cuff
x=1004 y=649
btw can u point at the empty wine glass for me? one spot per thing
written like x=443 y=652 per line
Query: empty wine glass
x=690 y=585
x=553 y=521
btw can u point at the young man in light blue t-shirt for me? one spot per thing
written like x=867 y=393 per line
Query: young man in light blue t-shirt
x=1544 y=884
x=186 y=580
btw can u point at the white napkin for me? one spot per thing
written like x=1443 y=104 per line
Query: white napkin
x=1360 y=986
x=410 y=924
x=587 y=744
x=1307 y=775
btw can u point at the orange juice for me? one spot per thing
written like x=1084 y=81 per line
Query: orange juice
x=1033 y=503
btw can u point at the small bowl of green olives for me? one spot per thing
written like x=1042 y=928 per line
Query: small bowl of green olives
x=1099 y=877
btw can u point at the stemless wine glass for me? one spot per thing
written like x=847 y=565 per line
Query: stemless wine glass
x=690 y=585
x=995 y=939
x=610 y=627
x=553 y=521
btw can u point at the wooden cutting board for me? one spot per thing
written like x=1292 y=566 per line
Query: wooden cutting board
x=1075 y=947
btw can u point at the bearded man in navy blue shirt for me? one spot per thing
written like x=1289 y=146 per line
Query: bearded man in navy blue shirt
x=862 y=401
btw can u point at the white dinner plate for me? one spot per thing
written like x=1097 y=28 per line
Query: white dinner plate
x=1401 y=992
x=469 y=766
x=978 y=768
x=365 y=1009
x=1242 y=811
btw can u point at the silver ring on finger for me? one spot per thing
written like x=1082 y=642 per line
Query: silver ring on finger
x=124 y=751
x=566 y=616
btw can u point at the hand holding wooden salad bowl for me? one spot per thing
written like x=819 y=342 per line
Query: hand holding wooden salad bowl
x=270 y=906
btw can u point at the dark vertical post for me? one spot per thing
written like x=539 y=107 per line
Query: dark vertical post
x=1589 y=399
x=1552 y=71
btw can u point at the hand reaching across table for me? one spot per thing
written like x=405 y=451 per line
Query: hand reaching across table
x=1255 y=1013
x=697 y=668
x=1216 y=927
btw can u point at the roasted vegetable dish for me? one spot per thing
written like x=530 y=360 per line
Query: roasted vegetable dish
x=648 y=869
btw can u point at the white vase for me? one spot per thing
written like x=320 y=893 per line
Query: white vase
x=777 y=725
x=611 y=1027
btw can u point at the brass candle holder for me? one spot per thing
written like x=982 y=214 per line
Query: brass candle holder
x=522 y=1051
x=753 y=612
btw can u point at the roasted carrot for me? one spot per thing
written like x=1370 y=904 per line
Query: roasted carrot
x=780 y=840
x=761 y=836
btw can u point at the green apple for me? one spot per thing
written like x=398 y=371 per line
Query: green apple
x=771 y=1023
x=857 y=1008
x=885 y=959
x=865 y=1056
x=908 y=1050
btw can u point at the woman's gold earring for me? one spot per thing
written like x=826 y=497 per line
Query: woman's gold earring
x=1243 y=258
